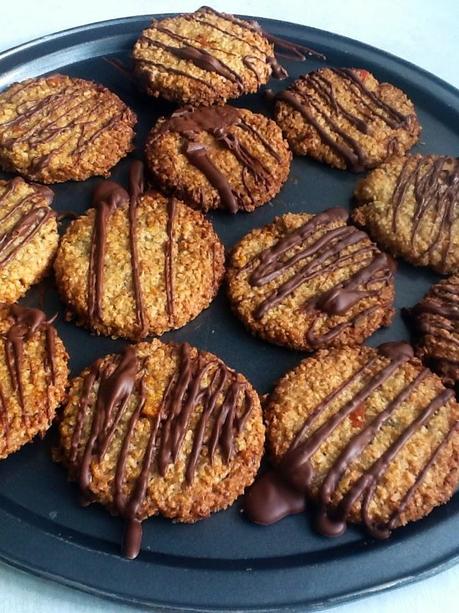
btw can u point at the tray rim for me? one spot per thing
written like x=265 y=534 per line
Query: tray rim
x=333 y=602
x=447 y=561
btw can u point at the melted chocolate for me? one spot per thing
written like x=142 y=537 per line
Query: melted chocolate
x=321 y=116
x=169 y=272
x=292 y=51
x=225 y=403
x=33 y=214
x=4 y=421
x=120 y=66
x=323 y=254
x=107 y=197
x=136 y=188
x=26 y=323
x=435 y=187
x=199 y=56
x=46 y=120
x=224 y=123
x=197 y=155
x=437 y=319
x=288 y=49
x=270 y=498
x=206 y=61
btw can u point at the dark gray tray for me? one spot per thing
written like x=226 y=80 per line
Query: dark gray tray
x=224 y=562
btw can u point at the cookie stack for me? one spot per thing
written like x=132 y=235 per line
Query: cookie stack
x=354 y=433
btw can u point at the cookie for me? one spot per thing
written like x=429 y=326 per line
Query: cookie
x=219 y=157
x=410 y=205
x=309 y=281
x=363 y=435
x=59 y=128
x=202 y=58
x=138 y=264
x=345 y=118
x=33 y=376
x=28 y=236
x=436 y=318
x=161 y=428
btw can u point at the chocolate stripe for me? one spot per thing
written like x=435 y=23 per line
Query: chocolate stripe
x=117 y=382
x=323 y=255
x=278 y=493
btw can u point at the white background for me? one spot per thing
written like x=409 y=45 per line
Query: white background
x=425 y=32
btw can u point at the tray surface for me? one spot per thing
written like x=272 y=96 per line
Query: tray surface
x=223 y=562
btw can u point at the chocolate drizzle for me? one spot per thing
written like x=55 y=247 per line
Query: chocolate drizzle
x=198 y=53
x=290 y=50
x=116 y=391
x=285 y=48
x=107 y=197
x=434 y=184
x=437 y=319
x=169 y=275
x=295 y=474
x=323 y=254
x=26 y=323
x=225 y=124
x=29 y=213
x=438 y=312
x=54 y=119
x=121 y=67
x=136 y=188
x=321 y=112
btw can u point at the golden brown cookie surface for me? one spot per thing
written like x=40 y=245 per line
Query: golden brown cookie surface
x=203 y=57
x=410 y=205
x=138 y=264
x=308 y=281
x=59 y=128
x=161 y=428
x=28 y=236
x=33 y=376
x=367 y=435
x=346 y=118
x=219 y=157
x=437 y=320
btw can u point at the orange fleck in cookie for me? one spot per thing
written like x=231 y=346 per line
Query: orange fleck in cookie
x=33 y=376
x=219 y=157
x=59 y=128
x=138 y=264
x=161 y=428
x=437 y=320
x=309 y=281
x=410 y=205
x=28 y=236
x=203 y=57
x=363 y=435
x=346 y=118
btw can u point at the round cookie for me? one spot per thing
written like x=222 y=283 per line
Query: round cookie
x=139 y=264
x=59 y=128
x=33 y=376
x=345 y=118
x=28 y=236
x=367 y=435
x=161 y=428
x=219 y=157
x=309 y=281
x=203 y=57
x=437 y=320
x=410 y=205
